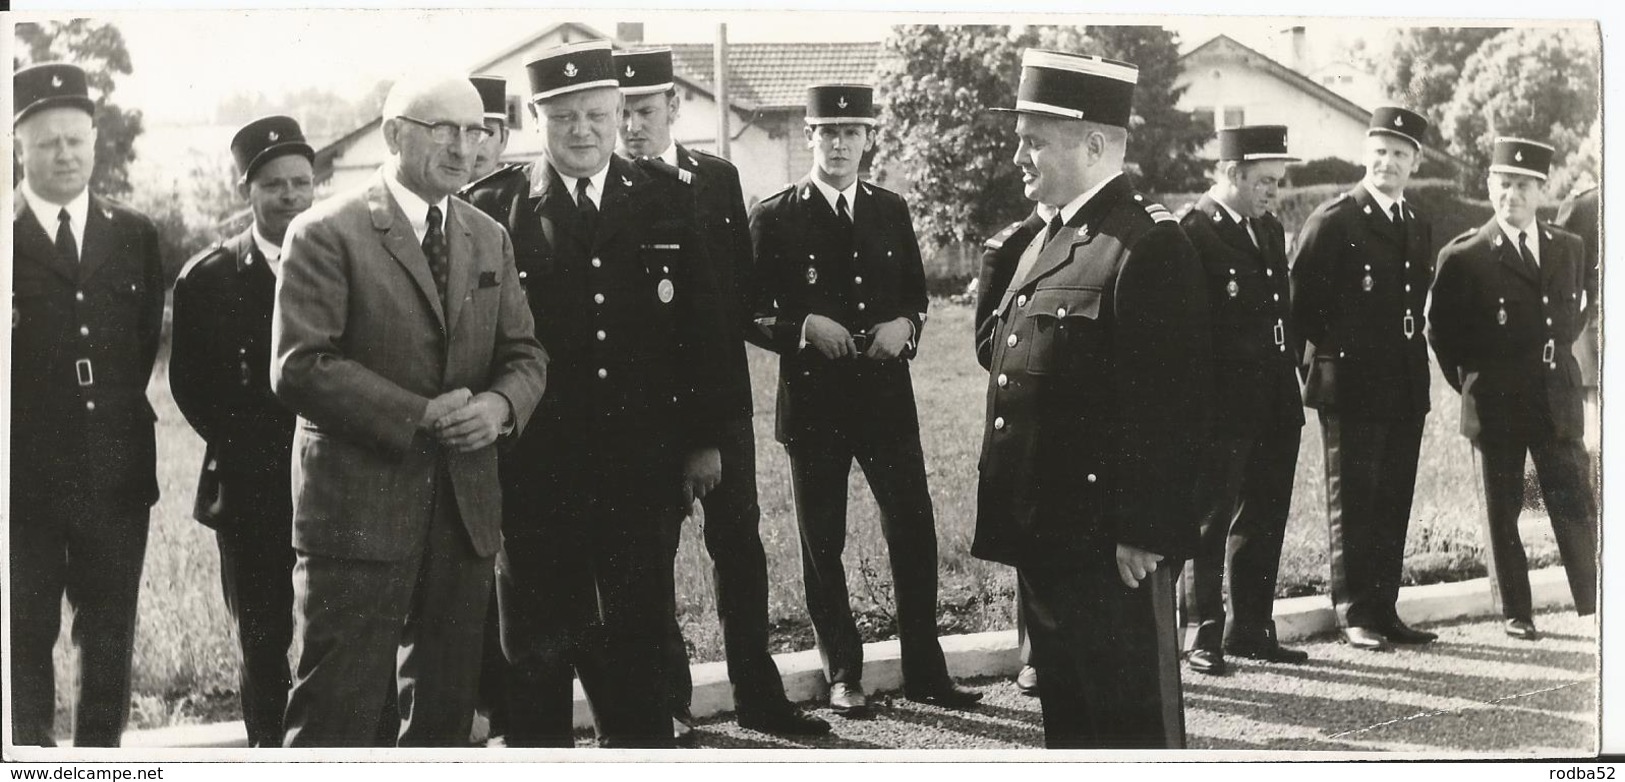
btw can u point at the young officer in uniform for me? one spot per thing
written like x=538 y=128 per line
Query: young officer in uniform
x=626 y=433
x=219 y=371
x=1507 y=308
x=87 y=305
x=494 y=98
x=1244 y=483
x=1360 y=277
x=1579 y=214
x=1094 y=326
x=731 y=510
x=842 y=292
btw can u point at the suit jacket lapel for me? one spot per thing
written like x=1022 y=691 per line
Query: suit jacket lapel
x=1078 y=231
x=33 y=242
x=618 y=188
x=1232 y=232
x=1377 y=220
x=1506 y=252
x=460 y=246
x=555 y=210
x=396 y=235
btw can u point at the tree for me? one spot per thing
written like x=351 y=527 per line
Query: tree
x=1536 y=83
x=937 y=83
x=1423 y=66
x=99 y=48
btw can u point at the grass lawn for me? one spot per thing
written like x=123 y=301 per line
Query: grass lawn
x=186 y=656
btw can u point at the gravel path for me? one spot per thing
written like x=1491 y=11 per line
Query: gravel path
x=1474 y=691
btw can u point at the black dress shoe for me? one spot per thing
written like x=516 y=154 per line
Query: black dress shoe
x=682 y=728
x=1206 y=661
x=1400 y=633
x=1266 y=649
x=948 y=695
x=848 y=700
x=1522 y=629
x=783 y=722
x=1027 y=680
x=1365 y=638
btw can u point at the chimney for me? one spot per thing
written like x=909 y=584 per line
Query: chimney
x=629 y=32
x=1297 y=49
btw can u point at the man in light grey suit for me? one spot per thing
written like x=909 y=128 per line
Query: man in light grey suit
x=402 y=339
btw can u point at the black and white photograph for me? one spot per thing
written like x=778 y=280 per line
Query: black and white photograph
x=539 y=385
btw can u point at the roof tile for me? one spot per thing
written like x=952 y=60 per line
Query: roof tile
x=778 y=74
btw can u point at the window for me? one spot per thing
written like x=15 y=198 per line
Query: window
x=1203 y=115
x=516 y=113
x=1234 y=117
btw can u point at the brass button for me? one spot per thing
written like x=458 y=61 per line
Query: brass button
x=78 y=295
x=1060 y=312
x=523 y=275
x=858 y=280
x=1092 y=478
x=1004 y=380
x=84 y=331
x=1012 y=340
x=1021 y=301
x=861 y=306
x=598 y=298
x=602 y=373
x=91 y=405
x=998 y=423
x=601 y=335
x=597 y=263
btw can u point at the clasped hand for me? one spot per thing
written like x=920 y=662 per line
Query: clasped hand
x=833 y=340
x=464 y=421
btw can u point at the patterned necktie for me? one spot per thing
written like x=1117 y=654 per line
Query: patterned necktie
x=434 y=248
x=1527 y=256
x=66 y=248
x=588 y=209
x=840 y=209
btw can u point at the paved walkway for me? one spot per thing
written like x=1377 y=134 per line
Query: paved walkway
x=1473 y=691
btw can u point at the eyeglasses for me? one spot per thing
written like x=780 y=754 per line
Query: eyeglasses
x=449 y=132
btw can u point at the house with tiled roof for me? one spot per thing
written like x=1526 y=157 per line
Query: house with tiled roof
x=1228 y=84
x=766 y=90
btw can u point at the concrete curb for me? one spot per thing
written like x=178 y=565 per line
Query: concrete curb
x=979 y=654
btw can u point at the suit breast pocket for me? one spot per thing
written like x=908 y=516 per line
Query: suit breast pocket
x=1062 y=327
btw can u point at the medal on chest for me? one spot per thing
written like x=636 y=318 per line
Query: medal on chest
x=1501 y=314
x=1366 y=283
x=666 y=291
x=1233 y=287
x=812 y=274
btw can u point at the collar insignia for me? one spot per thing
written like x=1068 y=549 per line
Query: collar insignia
x=570 y=70
x=629 y=72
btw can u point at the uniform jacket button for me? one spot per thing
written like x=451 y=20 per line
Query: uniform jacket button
x=602 y=373
x=78 y=295
x=601 y=335
x=1021 y=300
x=1012 y=340
x=858 y=280
x=1004 y=380
x=84 y=331
x=861 y=306
x=91 y=405
x=597 y=263
x=598 y=298
x=998 y=423
x=1091 y=477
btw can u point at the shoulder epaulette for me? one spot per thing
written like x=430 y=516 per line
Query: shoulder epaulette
x=781 y=192
x=997 y=240
x=205 y=253
x=1160 y=213
x=501 y=171
x=872 y=187
x=1464 y=235
x=666 y=169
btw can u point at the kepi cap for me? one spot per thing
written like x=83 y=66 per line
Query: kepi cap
x=644 y=71
x=1396 y=121
x=1076 y=86
x=1521 y=156
x=1253 y=142
x=265 y=139
x=840 y=104
x=571 y=67
x=493 y=95
x=50 y=84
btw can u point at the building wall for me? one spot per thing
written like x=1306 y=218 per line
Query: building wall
x=1225 y=80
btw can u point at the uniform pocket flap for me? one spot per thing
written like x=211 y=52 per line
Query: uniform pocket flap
x=1059 y=303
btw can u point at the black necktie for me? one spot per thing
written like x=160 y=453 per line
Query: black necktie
x=1399 y=218
x=66 y=248
x=1527 y=256
x=840 y=209
x=434 y=248
x=1053 y=228
x=1247 y=225
x=589 y=210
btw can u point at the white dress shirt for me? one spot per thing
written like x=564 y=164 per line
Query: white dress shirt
x=1385 y=203
x=831 y=194
x=46 y=213
x=595 y=186
x=273 y=251
x=416 y=209
x=1533 y=238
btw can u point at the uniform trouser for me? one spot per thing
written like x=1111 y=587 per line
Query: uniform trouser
x=91 y=549
x=418 y=620
x=1564 y=470
x=1244 y=485
x=739 y=565
x=579 y=588
x=256 y=577
x=895 y=468
x=1107 y=655
x=1370 y=480
x=494 y=669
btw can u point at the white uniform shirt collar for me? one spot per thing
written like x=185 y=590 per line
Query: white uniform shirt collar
x=45 y=212
x=1533 y=230
x=1234 y=215
x=1384 y=203
x=1071 y=209
x=830 y=194
x=670 y=155
x=271 y=251
x=416 y=209
x=595 y=185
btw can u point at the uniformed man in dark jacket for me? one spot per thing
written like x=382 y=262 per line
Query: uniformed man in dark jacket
x=494 y=98
x=1094 y=326
x=1507 y=307
x=219 y=371
x=626 y=434
x=87 y=305
x=731 y=510
x=1360 y=277
x=842 y=293
x=1579 y=213
x=1244 y=483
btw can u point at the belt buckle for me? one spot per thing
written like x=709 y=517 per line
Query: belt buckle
x=1548 y=352
x=87 y=375
x=1280 y=332
x=1410 y=326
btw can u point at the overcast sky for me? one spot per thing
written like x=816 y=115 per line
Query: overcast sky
x=186 y=61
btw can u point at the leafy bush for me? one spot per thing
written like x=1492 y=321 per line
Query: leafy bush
x=1324 y=171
